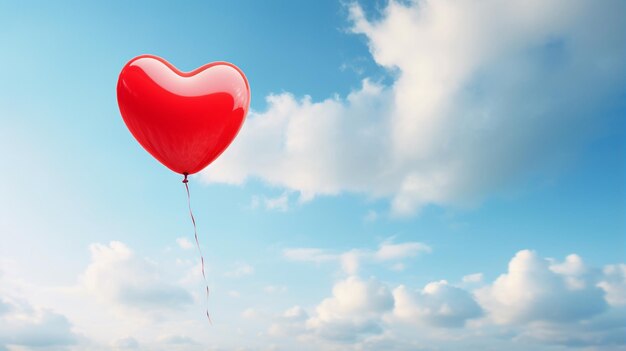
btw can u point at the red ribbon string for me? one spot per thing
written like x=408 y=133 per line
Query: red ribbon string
x=195 y=233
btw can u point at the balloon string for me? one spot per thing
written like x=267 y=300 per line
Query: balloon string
x=195 y=233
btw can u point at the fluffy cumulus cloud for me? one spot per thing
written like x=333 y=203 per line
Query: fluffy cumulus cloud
x=361 y=314
x=565 y=303
x=438 y=304
x=482 y=94
x=353 y=310
x=22 y=324
x=533 y=289
x=116 y=275
x=614 y=284
x=536 y=302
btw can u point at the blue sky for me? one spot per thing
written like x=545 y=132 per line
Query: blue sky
x=406 y=170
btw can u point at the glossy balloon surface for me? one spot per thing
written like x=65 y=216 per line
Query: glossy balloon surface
x=184 y=119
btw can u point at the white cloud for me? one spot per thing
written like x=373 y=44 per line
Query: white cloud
x=21 y=324
x=289 y=323
x=390 y=251
x=295 y=313
x=250 y=313
x=118 y=276
x=353 y=311
x=126 y=343
x=573 y=270
x=538 y=302
x=389 y=341
x=602 y=332
x=351 y=260
x=473 y=278
x=438 y=304
x=280 y=203
x=176 y=340
x=533 y=289
x=483 y=94
x=614 y=284
x=184 y=243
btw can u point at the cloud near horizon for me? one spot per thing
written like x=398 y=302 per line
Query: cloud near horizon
x=22 y=324
x=116 y=275
x=484 y=95
x=537 y=301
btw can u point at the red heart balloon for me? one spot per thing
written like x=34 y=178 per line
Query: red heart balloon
x=184 y=119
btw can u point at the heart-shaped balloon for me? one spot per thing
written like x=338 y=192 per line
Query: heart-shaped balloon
x=184 y=119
